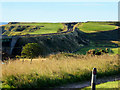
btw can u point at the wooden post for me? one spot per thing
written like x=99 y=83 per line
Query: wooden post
x=93 y=81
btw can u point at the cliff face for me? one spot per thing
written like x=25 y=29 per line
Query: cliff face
x=68 y=42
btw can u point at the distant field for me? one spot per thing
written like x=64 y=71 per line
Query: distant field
x=96 y=26
x=99 y=39
x=32 y=28
x=108 y=85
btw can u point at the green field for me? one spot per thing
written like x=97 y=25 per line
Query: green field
x=105 y=39
x=32 y=28
x=96 y=26
x=108 y=85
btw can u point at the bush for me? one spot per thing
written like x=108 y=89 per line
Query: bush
x=98 y=51
x=31 y=50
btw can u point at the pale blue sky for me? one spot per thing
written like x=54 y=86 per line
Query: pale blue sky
x=59 y=11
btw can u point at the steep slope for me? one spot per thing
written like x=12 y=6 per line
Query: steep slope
x=67 y=42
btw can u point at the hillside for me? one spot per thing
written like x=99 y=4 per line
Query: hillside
x=68 y=42
x=101 y=34
x=89 y=35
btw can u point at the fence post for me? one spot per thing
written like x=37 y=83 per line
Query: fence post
x=93 y=81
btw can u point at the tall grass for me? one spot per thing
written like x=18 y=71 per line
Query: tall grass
x=57 y=70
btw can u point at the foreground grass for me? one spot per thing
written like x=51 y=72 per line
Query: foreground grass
x=96 y=26
x=108 y=85
x=56 y=70
x=114 y=84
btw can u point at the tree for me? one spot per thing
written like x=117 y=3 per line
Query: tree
x=31 y=50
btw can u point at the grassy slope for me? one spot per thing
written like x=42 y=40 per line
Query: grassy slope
x=48 y=28
x=57 y=70
x=95 y=27
x=108 y=85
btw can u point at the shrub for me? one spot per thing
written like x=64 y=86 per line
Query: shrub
x=98 y=51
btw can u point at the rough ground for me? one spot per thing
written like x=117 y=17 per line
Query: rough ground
x=87 y=83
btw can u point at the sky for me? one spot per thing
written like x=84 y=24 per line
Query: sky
x=58 y=11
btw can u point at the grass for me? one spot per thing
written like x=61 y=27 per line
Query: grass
x=84 y=50
x=57 y=70
x=113 y=84
x=90 y=27
x=100 y=44
x=107 y=85
x=43 y=28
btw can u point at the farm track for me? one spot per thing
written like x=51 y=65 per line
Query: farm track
x=87 y=83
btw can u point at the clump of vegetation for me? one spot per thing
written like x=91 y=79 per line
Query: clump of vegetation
x=98 y=51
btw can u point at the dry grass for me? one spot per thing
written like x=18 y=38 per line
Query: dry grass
x=57 y=65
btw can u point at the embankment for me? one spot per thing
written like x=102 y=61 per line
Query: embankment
x=67 y=42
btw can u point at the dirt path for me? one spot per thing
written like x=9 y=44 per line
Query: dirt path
x=87 y=83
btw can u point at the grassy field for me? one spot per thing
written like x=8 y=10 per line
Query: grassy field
x=108 y=85
x=108 y=38
x=96 y=27
x=57 y=70
x=32 y=28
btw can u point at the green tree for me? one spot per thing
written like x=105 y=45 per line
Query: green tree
x=31 y=50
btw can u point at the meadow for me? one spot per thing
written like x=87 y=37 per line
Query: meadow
x=101 y=34
x=32 y=28
x=56 y=70
x=90 y=27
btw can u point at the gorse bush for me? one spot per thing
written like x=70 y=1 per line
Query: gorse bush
x=99 y=51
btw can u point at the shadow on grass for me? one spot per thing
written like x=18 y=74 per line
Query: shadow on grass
x=36 y=81
x=104 y=38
